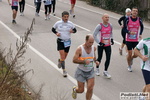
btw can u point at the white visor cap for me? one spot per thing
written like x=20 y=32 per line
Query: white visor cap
x=128 y=10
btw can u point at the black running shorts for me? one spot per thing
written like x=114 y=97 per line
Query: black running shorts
x=60 y=46
x=131 y=45
x=146 y=75
x=14 y=7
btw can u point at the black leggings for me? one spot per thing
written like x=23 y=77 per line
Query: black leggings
x=22 y=4
x=38 y=6
x=108 y=55
x=47 y=7
x=123 y=36
x=53 y=4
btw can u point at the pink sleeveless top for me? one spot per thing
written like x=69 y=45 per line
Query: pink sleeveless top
x=14 y=3
x=133 y=26
x=105 y=34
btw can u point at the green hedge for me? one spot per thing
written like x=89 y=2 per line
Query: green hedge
x=118 y=7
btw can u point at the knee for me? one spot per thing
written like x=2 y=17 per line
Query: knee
x=130 y=54
x=90 y=90
x=148 y=88
x=80 y=90
x=63 y=57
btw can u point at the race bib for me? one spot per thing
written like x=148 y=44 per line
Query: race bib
x=106 y=40
x=133 y=36
x=15 y=3
x=67 y=43
x=90 y=65
x=48 y=1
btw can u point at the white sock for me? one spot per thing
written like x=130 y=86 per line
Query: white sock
x=74 y=89
x=105 y=71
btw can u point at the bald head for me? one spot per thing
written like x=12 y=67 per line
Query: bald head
x=105 y=18
x=105 y=14
x=89 y=40
x=89 y=36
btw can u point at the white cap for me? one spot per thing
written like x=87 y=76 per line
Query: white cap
x=128 y=10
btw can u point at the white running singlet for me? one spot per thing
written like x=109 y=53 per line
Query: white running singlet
x=145 y=46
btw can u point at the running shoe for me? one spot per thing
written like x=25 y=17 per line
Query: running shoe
x=97 y=72
x=21 y=14
x=48 y=16
x=64 y=73
x=73 y=16
x=129 y=69
x=59 y=64
x=45 y=18
x=53 y=14
x=74 y=93
x=105 y=73
x=13 y=21
x=120 y=51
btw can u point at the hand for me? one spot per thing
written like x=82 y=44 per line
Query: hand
x=144 y=58
x=112 y=42
x=97 y=63
x=71 y=31
x=132 y=33
x=20 y=0
x=58 y=34
x=140 y=36
x=87 y=62
x=9 y=3
x=101 y=44
x=121 y=26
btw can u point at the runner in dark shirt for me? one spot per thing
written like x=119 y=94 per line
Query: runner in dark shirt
x=128 y=13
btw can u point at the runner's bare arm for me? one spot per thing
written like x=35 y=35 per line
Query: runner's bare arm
x=94 y=54
x=138 y=53
x=96 y=62
x=77 y=55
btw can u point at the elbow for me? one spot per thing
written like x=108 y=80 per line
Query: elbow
x=73 y=61
x=52 y=29
x=74 y=30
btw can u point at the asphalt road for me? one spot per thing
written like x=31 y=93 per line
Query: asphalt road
x=43 y=53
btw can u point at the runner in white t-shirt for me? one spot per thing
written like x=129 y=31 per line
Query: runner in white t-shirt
x=64 y=30
x=47 y=6
x=145 y=63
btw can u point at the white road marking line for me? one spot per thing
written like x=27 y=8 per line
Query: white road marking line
x=48 y=61
x=96 y=12
x=61 y=18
